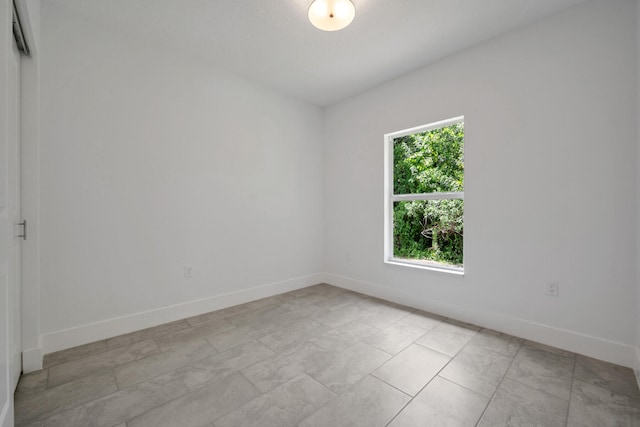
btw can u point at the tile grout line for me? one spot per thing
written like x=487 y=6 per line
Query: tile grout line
x=370 y=374
x=118 y=390
x=412 y=398
x=393 y=386
x=337 y=395
x=112 y=370
x=46 y=384
x=573 y=377
x=168 y=372
x=367 y=309
x=75 y=359
x=263 y=393
x=99 y=371
x=460 y=385
x=44 y=417
x=239 y=371
x=500 y=383
x=107 y=349
x=162 y=404
x=437 y=375
x=519 y=381
x=201 y=386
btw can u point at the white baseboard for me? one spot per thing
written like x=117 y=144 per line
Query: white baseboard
x=598 y=348
x=595 y=347
x=31 y=360
x=67 y=338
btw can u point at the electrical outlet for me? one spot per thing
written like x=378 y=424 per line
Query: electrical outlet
x=187 y=272
x=553 y=288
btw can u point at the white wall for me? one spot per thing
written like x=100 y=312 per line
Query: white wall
x=30 y=173
x=6 y=229
x=150 y=162
x=637 y=193
x=550 y=114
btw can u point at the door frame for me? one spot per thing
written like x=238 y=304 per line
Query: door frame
x=29 y=11
x=15 y=214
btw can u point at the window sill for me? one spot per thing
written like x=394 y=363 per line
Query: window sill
x=422 y=266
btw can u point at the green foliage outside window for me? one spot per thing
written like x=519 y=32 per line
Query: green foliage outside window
x=429 y=162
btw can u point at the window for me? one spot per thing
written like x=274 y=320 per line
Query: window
x=424 y=196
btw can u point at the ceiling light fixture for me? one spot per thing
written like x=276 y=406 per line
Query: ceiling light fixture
x=331 y=15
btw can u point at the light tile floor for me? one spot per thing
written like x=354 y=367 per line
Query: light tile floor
x=323 y=356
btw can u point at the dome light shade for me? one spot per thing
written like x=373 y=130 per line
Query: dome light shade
x=331 y=15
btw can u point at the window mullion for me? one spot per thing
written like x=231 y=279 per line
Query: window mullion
x=426 y=196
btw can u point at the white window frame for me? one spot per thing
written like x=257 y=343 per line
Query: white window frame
x=390 y=198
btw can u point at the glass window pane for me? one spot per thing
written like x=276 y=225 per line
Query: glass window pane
x=428 y=162
x=429 y=232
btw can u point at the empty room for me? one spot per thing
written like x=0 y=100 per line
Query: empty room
x=319 y=213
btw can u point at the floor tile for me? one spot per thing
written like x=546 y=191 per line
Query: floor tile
x=222 y=364
x=618 y=379
x=515 y=404
x=37 y=406
x=201 y=407
x=283 y=406
x=218 y=314
x=477 y=370
x=298 y=315
x=122 y=405
x=33 y=381
x=194 y=333
x=350 y=366
x=542 y=370
x=592 y=405
x=286 y=337
x=383 y=316
x=448 y=337
x=144 y=334
x=271 y=373
x=412 y=368
x=301 y=301
x=548 y=348
x=340 y=316
x=162 y=363
x=101 y=362
x=382 y=301
x=242 y=335
x=423 y=319
x=337 y=357
x=497 y=342
x=442 y=404
x=396 y=337
x=273 y=301
x=328 y=290
x=288 y=296
x=339 y=301
x=256 y=315
x=376 y=304
x=369 y=403
x=323 y=288
x=74 y=353
x=344 y=336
